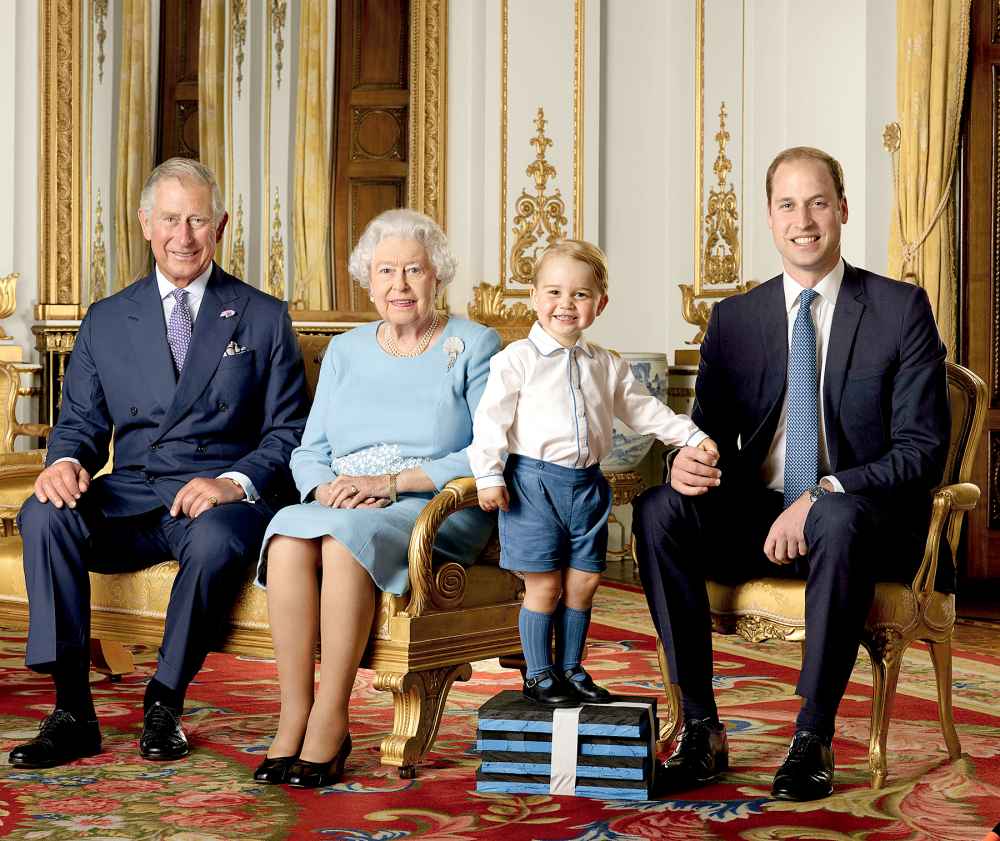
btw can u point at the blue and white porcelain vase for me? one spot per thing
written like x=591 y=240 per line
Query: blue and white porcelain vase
x=628 y=448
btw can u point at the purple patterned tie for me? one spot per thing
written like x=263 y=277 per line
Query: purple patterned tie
x=179 y=328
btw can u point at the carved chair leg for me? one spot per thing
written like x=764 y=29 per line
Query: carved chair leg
x=885 y=675
x=111 y=658
x=670 y=720
x=418 y=699
x=941 y=658
x=514 y=661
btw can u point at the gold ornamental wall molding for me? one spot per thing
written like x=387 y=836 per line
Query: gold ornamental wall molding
x=428 y=115
x=540 y=220
x=276 y=255
x=60 y=216
x=717 y=249
x=237 y=259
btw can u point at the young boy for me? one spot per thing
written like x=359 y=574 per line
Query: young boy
x=541 y=429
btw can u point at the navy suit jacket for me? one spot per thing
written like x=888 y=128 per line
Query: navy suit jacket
x=242 y=412
x=885 y=393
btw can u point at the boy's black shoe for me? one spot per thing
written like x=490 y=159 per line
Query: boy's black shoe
x=586 y=690
x=550 y=690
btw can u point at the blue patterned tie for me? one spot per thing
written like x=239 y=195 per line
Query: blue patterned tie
x=179 y=328
x=802 y=421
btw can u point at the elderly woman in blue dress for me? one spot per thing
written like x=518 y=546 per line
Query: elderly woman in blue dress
x=389 y=427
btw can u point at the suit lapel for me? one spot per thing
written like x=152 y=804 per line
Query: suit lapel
x=148 y=334
x=846 y=317
x=774 y=326
x=208 y=342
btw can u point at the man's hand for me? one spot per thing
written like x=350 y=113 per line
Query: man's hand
x=490 y=499
x=62 y=483
x=786 y=540
x=693 y=471
x=200 y=494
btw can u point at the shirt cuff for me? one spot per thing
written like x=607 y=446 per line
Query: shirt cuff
x=244 y=482
x=833 y=480
x=493 y=480
x=696 y=438
x=66 y=458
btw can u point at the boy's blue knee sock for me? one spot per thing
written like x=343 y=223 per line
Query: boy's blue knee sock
x=571 y=634
x=536 y=640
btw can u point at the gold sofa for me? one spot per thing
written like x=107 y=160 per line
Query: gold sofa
x=420 y=643
x=774 y=608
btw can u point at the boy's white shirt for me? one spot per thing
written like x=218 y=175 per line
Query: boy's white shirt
x=558 y=404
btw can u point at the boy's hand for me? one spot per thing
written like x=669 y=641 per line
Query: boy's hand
x=709 y=446
x=490 y=499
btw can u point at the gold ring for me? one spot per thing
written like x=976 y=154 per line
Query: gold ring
x=213 y=501
x=354 y=490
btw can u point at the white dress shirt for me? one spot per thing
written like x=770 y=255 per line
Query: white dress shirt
x=557 y=404
x=773 y=468
x=196 y=290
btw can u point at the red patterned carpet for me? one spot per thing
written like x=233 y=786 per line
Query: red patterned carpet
x=232 y=710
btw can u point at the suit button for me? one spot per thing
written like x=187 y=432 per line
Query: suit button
x=201 y=449
x=133 y=411
x=222 y=406
x=154 y=446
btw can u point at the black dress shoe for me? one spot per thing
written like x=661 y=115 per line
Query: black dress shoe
x=274 y=771
x=586 y=690
x=61 y=738
x=700 y=756
x=807 y=772
x=305 y=774
x=550 y=690
x=162 y=737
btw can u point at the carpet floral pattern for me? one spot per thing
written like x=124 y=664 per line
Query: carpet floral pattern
x=232 y=710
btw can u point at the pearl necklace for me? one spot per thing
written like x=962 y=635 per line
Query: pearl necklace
x=389 y=343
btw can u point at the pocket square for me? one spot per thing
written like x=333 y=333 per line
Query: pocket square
x=233 y=349
x=227 y=313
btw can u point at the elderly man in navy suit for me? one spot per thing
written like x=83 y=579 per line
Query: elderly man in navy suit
x=199 y=378
x=825 y=390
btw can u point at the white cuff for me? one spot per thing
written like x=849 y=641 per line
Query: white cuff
x=66 y=458
x=833 y=480
x=696 y=438
x=492 y=480
x=244 y=482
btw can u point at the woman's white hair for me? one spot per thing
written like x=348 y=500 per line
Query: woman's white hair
x=403 y=224
x=183 y=169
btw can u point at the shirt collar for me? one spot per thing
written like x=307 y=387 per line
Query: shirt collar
x=828 y=288
x=546 y=345
x=196 y=287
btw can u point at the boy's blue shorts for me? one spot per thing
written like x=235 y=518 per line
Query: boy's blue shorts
x=558 y=517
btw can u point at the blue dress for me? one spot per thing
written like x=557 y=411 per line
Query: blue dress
x=374 y=414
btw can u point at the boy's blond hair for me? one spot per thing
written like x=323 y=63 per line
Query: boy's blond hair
x=581 y=251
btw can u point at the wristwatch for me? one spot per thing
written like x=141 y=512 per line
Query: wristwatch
x=816 y=491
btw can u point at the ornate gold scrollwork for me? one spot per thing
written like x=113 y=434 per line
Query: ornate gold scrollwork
x=8 y=298
x=540 y=216
x=276 y=255
x=757 y=629
x=98 y=256
x=238 y=16
x=279 y=9
x=722 y=219
x=540 y=220
x=237 y=260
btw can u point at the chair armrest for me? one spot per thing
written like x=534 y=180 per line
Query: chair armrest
x=425 y=589
x=949 y=506
x=36 y=430
x=29 y=459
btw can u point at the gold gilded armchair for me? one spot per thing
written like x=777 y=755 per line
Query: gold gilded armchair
x=774 y=608
x=419 y=645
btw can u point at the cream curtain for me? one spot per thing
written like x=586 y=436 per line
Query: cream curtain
x=212 y=111
x=932 y=38
x=134 y=154
x=311 y=179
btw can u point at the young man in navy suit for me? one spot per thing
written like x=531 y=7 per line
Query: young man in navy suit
x=199 y=378
x=825 y=391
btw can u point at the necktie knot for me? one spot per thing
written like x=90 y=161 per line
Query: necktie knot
x=179 y=328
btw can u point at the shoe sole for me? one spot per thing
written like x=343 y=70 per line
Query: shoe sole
x=790 y=797
x=159 y=757
x=39 y=765
x=564 y=705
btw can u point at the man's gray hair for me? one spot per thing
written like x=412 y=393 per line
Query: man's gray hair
x=183 y=169
x=403 y=224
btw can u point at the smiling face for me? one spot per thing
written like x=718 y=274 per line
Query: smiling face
x=403 y=283
x=180 y=229
x=805 y=216
x=566 y=298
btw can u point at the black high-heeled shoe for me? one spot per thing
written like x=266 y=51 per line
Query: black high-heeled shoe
x=305 y=774
x=274 y=771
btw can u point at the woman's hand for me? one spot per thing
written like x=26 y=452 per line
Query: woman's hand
x=354 y=492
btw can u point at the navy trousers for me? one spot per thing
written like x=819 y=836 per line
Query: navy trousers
x=61 y=545
x=682 y=540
